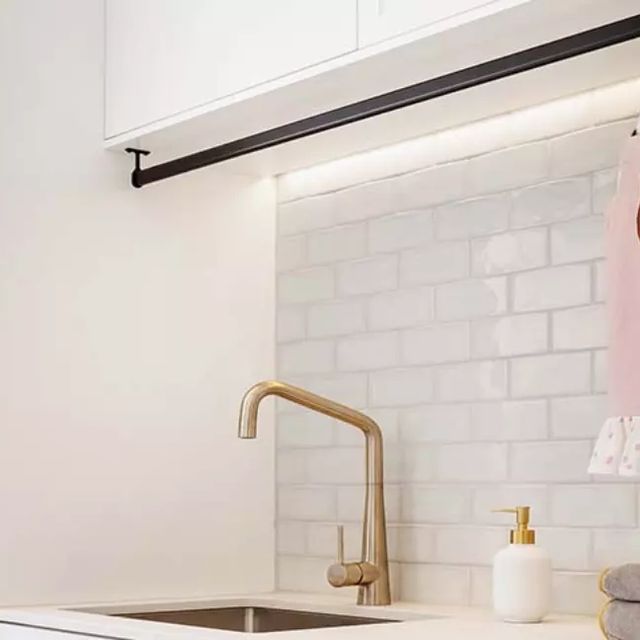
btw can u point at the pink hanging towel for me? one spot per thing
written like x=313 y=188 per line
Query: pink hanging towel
x=617 y=450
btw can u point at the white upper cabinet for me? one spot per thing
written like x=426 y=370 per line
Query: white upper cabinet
x=183 y=75
x=380 y=20
x=165 y=57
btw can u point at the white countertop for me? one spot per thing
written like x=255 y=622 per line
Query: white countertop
x=446 y=623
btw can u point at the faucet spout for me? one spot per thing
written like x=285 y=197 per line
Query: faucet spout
x=373 y=570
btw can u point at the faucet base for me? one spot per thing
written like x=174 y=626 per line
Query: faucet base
x=376 y=594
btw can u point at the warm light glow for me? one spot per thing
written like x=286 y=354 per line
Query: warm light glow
x=538 y=122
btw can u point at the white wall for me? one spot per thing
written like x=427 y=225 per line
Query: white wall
x=451 y=286
x=130 y=324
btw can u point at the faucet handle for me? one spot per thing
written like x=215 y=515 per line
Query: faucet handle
x=348 y=574
x=341 y=573
x=340 y=531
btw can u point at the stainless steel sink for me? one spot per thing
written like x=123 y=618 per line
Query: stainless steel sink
x=252 y=619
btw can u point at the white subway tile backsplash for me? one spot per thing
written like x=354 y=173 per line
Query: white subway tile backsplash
x=509 y=420
x=588 y=150
x=339 y=243
x=592 y=505
x=291 y=253
x=351 y=502
x=400 y=231
x=437 y=263
x=291 y=465
x=438 y=184
x=551 y=202
x=368 y=276
x=393 y=462
x=604 y=188
x=509 y=336
x=338 y=465
x=509 y=168
x=416 y=544
x=435 y=423
x=472 y=381
x=306 y=503
x=436 y=504
x=306 y=286
x=336 y=318
x=365 y=201
x=302 y=573
x=600 y=292
x=570 y=549
x=600 y=366
x=403 y=308
x=418 y=464
x=580 y=328
x=538 y=122
x=291 y=538
x=435 y=584
x=551 y=375
x=304 y=429
x=552 y=288
x=576 y=593
x=291 y=324
x=305 y=215
x=474 y=462
x=615 y=546
x=399 y=387
x=481 y=587
x=578 y=417
x=392 y=502
x=313 y=356
x=471 y=299
x=550 y=461
x=437 y=343
x=468 y=545
x=472 y=218
x=542 y=121
x=321 y=541
x=508 y=252
x=368 y=351
x=460 y=305
x=577 y=240
x=614 y=105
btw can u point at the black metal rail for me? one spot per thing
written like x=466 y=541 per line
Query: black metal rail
x=539 y=56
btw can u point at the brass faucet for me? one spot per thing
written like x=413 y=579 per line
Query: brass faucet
x=371 y=574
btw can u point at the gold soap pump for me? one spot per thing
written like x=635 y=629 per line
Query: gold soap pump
x=522 y=534
x=521 y=574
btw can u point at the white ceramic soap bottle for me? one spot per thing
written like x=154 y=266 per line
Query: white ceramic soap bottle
x=521 y=575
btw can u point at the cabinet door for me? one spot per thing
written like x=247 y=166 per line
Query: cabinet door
x=383 y=19
x=167 y=56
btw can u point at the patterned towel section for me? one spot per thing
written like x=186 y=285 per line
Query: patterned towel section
x=617 y=449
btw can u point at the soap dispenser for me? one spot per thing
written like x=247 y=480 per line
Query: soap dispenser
x=521 y=574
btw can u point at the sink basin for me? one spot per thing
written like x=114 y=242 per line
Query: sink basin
x=252 y=619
